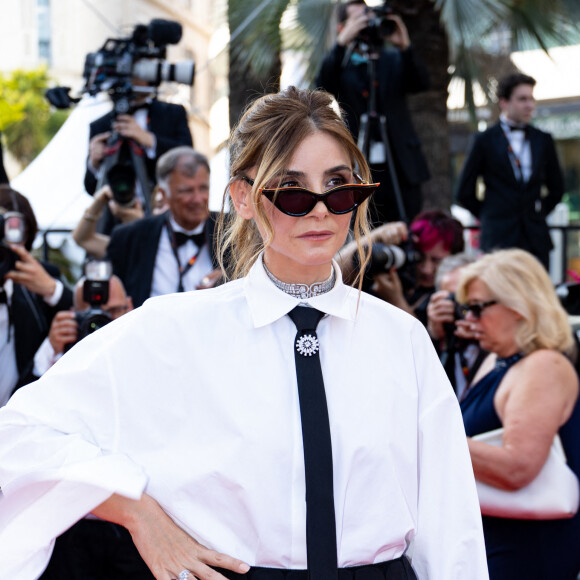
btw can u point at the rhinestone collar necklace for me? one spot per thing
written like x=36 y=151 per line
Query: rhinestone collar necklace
x=303 y=291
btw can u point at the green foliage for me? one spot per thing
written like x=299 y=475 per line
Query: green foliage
x=26 y=118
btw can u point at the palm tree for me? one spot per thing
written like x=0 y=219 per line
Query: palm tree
x=454 y=37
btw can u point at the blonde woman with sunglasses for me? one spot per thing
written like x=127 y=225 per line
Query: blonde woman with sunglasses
x=529 y=387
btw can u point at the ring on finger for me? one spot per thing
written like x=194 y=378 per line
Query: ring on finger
x=183 y=575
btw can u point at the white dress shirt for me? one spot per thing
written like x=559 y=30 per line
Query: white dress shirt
x=166 y=271
x=521 y=149
x=193 y=398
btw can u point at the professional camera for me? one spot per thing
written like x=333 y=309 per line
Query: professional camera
x=12 y=231
x=449 y=327
x=386 y=256
x=379 y=26
x=95 y=293
x=140 y=56
x=113 y=69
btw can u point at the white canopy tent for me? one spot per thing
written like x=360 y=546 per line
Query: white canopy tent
x=53 y=182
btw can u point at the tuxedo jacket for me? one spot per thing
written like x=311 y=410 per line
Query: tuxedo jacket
x=399 y=73
x=512 y=214
x=32 y=318
x=133 y=249
x=168 y=122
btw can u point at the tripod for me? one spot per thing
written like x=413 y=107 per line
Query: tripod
x=372 y=120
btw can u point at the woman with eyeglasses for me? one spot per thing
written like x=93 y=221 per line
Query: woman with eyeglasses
x=231 y=440
x=529 y=387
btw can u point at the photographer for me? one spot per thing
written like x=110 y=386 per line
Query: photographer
x=156 y=126
x=64 y=330
x=393 y=233
x=399 y=72
x=434 y=235
x=30 y=294
x=139 y=127
x=453 y=336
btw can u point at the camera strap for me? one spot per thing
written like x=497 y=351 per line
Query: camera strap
x=183 y=270
x=5 y=300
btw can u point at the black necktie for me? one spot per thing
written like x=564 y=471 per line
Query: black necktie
x=3 y=296
x=320 y=521
x=197 y=239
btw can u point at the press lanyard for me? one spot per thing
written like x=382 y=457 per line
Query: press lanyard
x=183 y=270
x=516 y=159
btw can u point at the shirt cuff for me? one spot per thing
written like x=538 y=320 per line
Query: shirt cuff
x=152 y=151
x=56 y=295
x=44 y=358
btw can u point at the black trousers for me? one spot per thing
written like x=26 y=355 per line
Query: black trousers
x=99 y=550
x=96 y=550
x=398 y=569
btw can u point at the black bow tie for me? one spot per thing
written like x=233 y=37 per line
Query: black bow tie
x=197 y=239
x=523 y=128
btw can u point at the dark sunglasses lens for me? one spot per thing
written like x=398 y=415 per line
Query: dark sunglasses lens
x=294 y=202
x=475 y=310
x=343 y=201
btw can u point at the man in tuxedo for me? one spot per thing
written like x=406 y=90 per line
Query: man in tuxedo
x=173 y=251
x=517 y=162
x=153 y=125
x=399 y=72
x=30 y=296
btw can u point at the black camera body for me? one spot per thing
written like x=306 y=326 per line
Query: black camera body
x=379 y=26
x=12 y=231
x=95 y=293
x=449 y=327
x=386 y=256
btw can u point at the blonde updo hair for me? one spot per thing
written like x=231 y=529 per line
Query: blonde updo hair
x=517 y=280
x=266 y=137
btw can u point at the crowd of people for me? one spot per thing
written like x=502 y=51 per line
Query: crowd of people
x=315 y=411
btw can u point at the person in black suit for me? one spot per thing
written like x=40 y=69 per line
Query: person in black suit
x=173 y=251
x=154 y=125
x=399 y=72
x=30 y=296
x=516 y=161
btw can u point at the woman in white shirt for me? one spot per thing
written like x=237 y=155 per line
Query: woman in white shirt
x=182 y=420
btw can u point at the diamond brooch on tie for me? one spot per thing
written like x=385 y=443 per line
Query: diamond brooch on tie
x=307 y=345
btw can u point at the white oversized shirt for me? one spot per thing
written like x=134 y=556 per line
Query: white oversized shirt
x=193 y=399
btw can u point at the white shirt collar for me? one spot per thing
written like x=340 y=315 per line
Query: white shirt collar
x=267 y=303
x=177 y=228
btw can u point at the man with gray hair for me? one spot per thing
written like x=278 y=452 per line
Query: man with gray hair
x=174 y=251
